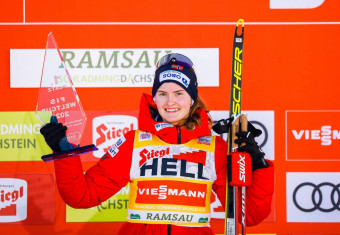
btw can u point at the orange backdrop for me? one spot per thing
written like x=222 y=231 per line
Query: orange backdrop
x=291 y=59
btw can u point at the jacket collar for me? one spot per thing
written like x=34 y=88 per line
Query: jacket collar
x=166 y=131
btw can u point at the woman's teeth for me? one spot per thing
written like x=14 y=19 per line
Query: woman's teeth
x=171 y=110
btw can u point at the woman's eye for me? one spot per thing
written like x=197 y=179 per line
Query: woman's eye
x=179 y=93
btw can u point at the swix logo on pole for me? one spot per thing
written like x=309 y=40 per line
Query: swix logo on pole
x=13 y=200
x=241 y=169
x=108 y=129
x=313 y=135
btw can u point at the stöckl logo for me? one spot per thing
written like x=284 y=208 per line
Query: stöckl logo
x=108 y=129
x=13 y=200
x=146 y=154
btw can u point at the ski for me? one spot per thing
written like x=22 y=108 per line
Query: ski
x=231 y=224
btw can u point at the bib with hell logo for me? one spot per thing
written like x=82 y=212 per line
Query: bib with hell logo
x=171 y=184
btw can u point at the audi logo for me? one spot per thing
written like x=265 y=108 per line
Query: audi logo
x=318 y=195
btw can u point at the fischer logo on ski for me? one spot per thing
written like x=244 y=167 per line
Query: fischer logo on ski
x=231 y=225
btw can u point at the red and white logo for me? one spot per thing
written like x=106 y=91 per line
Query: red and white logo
x=108 y=129
x=313 y=135
x=146 y=154
x=13 y=200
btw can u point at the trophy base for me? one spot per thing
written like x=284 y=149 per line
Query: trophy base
x=69 y=153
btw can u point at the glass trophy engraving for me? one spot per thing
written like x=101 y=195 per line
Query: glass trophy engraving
x=58 y=97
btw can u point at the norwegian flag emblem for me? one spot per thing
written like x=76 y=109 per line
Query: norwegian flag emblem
x=175 y=66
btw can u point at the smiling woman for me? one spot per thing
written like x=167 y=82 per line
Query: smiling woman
x=172 y=162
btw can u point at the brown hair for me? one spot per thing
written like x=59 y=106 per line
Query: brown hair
x=193 y=117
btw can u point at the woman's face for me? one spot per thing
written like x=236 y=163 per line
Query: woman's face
x=173 y=102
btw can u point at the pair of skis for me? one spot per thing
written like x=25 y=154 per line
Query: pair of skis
x=236 y=165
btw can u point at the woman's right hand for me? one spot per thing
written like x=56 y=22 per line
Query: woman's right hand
x=53 y=133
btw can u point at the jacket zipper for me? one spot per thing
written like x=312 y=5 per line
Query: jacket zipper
x=178 y=135
x=178 y=142
x=168 y=232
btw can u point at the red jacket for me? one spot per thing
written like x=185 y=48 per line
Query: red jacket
x=110 y=174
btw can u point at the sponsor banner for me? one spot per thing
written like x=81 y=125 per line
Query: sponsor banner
x=220 y=12
x=108 y=129
x=110 y=67
x=115 y=209
x=27 y=199
x=313 y=197
x=104 y=129
x=263 y=120
x=313 y=135
x=13 y=200
x=20 y=138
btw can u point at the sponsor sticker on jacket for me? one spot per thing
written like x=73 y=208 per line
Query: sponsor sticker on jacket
x=114 y=149
x=160 y=126
x=204 y=140
x=143 y=136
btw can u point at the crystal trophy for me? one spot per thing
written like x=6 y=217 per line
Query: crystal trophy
x=58 y=98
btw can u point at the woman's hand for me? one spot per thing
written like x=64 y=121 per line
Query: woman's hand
x=53 y=133
x=251 y=146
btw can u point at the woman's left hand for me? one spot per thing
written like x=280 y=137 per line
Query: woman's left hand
x=251 y=147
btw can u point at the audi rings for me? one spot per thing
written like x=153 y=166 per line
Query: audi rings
x=318 y=200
